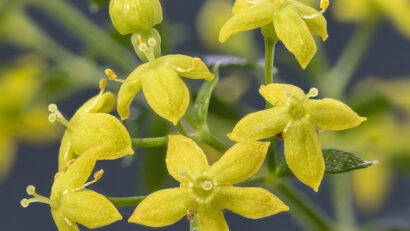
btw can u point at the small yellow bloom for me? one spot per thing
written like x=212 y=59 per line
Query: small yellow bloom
x=71 y=202
x=90 y=127
x=398 y=11
x=297 y=118
x=160 y=80
x=209 y=189
x=293 y=22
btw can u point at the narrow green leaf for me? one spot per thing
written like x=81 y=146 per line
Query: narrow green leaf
x=338 y=161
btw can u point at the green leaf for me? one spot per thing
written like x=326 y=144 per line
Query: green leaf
x=338 y=161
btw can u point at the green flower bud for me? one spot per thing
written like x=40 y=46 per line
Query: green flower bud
x=131 y=16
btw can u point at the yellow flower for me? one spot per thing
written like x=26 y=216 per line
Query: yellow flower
x=21 y=116
x=71 y=202
x=297 y=117
x=160 y=80
x=90 y=127
x=208 y=189
x=293 y=22
x=398 y=11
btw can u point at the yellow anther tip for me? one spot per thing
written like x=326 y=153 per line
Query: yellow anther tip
x=31 y=190
x=52 y=117
x=196 y=62
x=139 y=39
x=52 y=107
x=69 y=163
x=324 y=4
x=313 y=92
x=103 y=84
x=24 y=203
x=110 y=74
x=99 y=174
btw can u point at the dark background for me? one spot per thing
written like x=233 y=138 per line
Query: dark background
x=388 y=56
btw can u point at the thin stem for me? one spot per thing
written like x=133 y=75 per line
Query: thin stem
x=149 y=142
x=303 y=210
x=343 y=203
x=126 y=201
x=269 y=63
x=193 y=223
x=272 y=156
x=181 y=129
x=94 y=36
x=205 y=136
x=339 y=77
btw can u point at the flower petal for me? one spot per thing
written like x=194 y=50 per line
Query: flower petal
x=7 y=156
x=166 y=93
x=185 y=157
x=93 y=129
x=129 y=89
x=253 y=17
x=277 y=94
x=211 y=219
x=66 y=152
x=252 y=203
x=99 y=103
x=239 y=163
x=261 y=124
x=186 y=66
x=303 y=154
x=164 y=207
x=77 y=174
x=295 y=35
x=398 y=12
x=63 y=224
x=243 y=4
x=88 y=208
x=317 y=24
x=332 y=114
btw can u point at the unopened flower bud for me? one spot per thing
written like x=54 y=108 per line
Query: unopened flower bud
x=132 y=16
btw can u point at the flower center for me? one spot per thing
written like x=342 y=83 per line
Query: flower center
x=202 y=189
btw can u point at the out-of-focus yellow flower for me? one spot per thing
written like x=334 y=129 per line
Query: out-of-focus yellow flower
x=160 y=80
x=398 y=11
x=293 y=22
x=90 y=127
x=213 y=14
x=208 y=189
x=71 y=202
x=297 y=118
x=21 y=117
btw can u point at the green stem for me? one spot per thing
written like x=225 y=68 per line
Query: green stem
x=193 y=224
x=339 y=77
x=303 y=210
x=94 y=36
x=343 y=203
x=269 y=63
x=181 y=129
x=205 y=136
x=149 y=142
x=125 y=201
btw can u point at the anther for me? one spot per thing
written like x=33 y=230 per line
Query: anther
x=69 y=163
x=324 y=4
x=52 y=117
x=24 y=203
x=152 y=42
x=31 y=190
x=99 y=174
x=207 y=185
x=196 y=62
x=110 y=74
x=103 y=84
x=313 y=92
x=52 y=107
x=139 y=40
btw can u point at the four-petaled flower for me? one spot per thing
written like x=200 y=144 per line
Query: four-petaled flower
x=209 y=189
x=160 y=80
x=297 y=117
x=91 y=126
x=293 y=23
x=71 y=202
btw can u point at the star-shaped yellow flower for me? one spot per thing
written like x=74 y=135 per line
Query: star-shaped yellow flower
x=398 y=11
x=293 y=22
x=90 y=127
x=71 y=202
x=160 y=80
x=297 y=117
x=209 y=189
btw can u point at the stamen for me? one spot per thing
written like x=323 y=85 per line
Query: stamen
x=55 y=115
x=152 y=42
x=57 y=175
x=69 y=163
x=139 y=39
x=313 y=92
x=103 y=84
x=324 y=4
x=97 y=176
x=111 y=75
x=143 y=47
x=31 y=190
x=196 y=62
